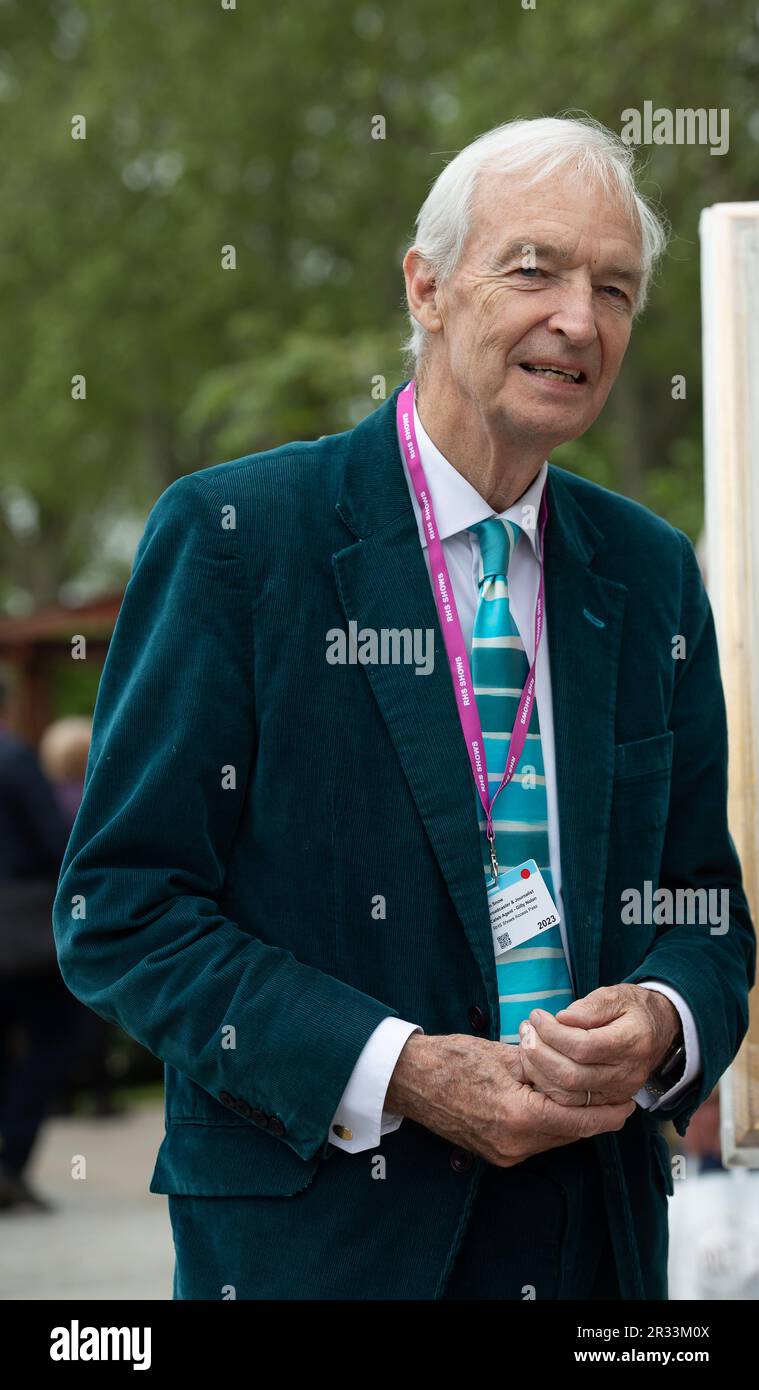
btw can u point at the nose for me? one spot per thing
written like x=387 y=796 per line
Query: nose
x=574 y=316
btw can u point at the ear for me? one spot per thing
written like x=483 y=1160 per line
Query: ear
x=422 y=291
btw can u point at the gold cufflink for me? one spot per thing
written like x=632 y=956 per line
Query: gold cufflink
x=342 y=1132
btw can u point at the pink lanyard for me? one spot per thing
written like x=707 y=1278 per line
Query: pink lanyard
x=454 y=637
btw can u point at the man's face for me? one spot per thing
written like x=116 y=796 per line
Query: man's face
x=548 y=275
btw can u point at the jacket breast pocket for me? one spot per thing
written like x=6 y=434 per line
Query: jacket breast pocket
x=641 y=785
x=644 y=760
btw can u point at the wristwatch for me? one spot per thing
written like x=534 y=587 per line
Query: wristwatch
x=669 y=1070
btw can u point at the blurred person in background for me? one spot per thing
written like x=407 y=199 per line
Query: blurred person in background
x=35 y=1006
x=63 y=751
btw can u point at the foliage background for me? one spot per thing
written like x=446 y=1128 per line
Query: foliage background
x=251 y=126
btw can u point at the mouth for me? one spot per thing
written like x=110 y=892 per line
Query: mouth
x=571 y=376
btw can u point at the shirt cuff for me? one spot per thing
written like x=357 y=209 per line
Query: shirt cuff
x=692 y=1050
x=360 y=1114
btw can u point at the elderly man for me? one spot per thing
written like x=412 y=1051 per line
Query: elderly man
x=380 y=921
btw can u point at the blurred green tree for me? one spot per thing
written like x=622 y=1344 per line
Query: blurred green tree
x=208 y=128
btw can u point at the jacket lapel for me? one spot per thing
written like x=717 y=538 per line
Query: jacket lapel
x=382 y=582
x=584 y=616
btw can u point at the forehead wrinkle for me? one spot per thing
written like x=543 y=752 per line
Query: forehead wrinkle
x=517 y=245
x=558 y=252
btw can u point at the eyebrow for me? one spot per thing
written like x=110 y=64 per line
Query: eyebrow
x=550 y=251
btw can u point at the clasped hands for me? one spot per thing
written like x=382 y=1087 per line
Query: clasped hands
x=507 y=1102
x=608 y=1043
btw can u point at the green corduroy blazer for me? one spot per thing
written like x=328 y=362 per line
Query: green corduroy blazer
x=246 y=800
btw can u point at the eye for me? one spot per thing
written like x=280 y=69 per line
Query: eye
x=528 y=270
x=615 y=291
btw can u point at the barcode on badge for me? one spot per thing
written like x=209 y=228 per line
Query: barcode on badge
x=504 y=941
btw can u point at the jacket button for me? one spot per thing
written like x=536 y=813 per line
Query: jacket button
x=478 y=1019
x=243 y=1108
x=260 y=1116
x=461 y=1160
x=226 y=1098
x=275 y=1125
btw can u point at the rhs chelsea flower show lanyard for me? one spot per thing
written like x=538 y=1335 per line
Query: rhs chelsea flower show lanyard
x=453 y=635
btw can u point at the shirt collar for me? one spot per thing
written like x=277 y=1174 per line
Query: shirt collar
x=459 y=506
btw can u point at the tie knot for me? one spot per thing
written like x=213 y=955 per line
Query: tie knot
x=498 y=540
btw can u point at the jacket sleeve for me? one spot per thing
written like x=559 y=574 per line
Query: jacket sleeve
x=711 y=959
x=140 y=936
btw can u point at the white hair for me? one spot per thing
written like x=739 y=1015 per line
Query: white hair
x=533 y=150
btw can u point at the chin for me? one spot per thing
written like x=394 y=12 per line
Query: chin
x=556 y=425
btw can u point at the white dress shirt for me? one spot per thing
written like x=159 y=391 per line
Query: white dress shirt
x=458 y=506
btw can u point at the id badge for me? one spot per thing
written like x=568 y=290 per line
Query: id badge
x=521 y=906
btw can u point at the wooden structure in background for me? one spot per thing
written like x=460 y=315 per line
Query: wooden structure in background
x=730 y=308
x=31 y=647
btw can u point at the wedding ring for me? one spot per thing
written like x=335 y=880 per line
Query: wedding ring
x=588 y=1100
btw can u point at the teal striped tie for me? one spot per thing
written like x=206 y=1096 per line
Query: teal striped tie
x=529 y=976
